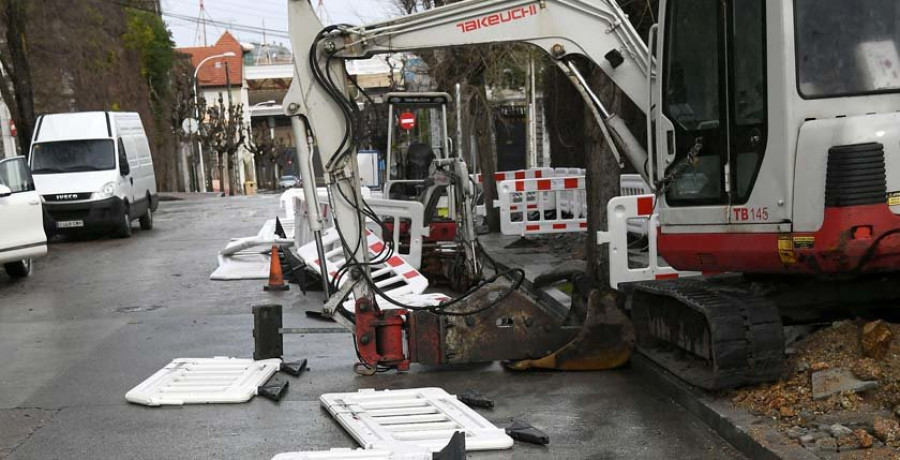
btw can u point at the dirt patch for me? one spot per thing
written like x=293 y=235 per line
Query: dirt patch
x=844 y=423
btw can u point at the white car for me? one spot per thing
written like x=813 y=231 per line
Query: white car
x=288 y=182
x=22 y=236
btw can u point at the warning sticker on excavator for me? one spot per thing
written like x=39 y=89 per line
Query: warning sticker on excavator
x=786 y=250
x=893 y=199
x=804 y=242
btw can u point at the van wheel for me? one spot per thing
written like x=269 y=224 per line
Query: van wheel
x=147 y=220
x=19 y=269
x=124 y=230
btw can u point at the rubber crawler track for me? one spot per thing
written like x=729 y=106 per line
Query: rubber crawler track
x=713 y=334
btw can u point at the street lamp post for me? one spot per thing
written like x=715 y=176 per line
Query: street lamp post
x=197 y=112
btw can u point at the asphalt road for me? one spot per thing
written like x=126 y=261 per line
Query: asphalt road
x=99 y=316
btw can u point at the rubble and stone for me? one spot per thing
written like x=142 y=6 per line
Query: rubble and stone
x=859 y=415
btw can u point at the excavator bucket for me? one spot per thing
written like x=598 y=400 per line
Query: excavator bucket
x=605 y=340
x=524 y=333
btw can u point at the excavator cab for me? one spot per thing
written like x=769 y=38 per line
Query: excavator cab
x=417 y=136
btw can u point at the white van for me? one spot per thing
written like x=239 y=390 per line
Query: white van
x=93 y=170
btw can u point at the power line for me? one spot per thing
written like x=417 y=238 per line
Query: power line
x=218 y=24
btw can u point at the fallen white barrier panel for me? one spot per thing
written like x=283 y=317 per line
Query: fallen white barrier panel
x=204 y=381
x=399 y=453
x=420 y=417
x=393 y=275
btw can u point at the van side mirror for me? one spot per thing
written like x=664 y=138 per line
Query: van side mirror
x=124 y=169
x=5 y=191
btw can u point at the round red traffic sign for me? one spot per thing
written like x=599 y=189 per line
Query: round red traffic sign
x=407 y=120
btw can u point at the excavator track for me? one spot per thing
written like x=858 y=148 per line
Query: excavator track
x=712 y=333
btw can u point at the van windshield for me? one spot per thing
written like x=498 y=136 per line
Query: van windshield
x=847 y=48
x=73 y=156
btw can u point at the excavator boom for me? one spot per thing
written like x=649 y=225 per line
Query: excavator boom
x=325 y=117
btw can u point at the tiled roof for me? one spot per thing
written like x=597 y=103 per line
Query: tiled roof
x=212 y=74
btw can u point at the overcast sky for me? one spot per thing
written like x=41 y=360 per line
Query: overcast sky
x=245 y=18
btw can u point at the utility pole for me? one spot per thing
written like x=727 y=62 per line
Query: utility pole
x=201 y=25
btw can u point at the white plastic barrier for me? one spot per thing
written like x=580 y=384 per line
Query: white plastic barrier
x=534 y=173
x=541 y=206
x=401 y=212
x=287 y=201
x=411 y=212
x=619 y=211
x=394 y=276
x=426 y=417
x=633 y=185
x=569 y=172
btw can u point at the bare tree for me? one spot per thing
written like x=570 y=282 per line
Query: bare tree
x=265 y=151
x=224 y=134
x=602 y=170
x=15 y=78
x=183 y=108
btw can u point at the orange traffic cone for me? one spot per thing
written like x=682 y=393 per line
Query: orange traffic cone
x=276 y=279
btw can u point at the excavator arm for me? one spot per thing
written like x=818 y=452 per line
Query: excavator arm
x=595 y=29
x=324 y=116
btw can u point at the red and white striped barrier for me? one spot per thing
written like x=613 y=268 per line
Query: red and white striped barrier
x=626 y=264
x=632 y=185
x=542 y=206
x=534 y=173
x=398 y=279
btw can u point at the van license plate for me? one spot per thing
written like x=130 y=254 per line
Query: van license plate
x=70 y=224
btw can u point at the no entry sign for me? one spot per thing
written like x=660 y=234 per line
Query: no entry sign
x=407 y=120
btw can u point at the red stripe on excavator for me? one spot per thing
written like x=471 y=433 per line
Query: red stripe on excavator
x=833 y=250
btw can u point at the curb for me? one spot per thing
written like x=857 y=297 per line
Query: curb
x=732 y=424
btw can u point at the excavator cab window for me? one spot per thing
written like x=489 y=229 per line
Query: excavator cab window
x=715 y=95
x=692 y=97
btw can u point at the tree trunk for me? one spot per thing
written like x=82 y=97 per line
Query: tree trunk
x=602 y=178
x=232 y=173
x=20 y=72
x=221 y=165
x=487 y=155
x=565 y=120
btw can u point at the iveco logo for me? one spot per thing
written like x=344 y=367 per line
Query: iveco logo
x=67 y=196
